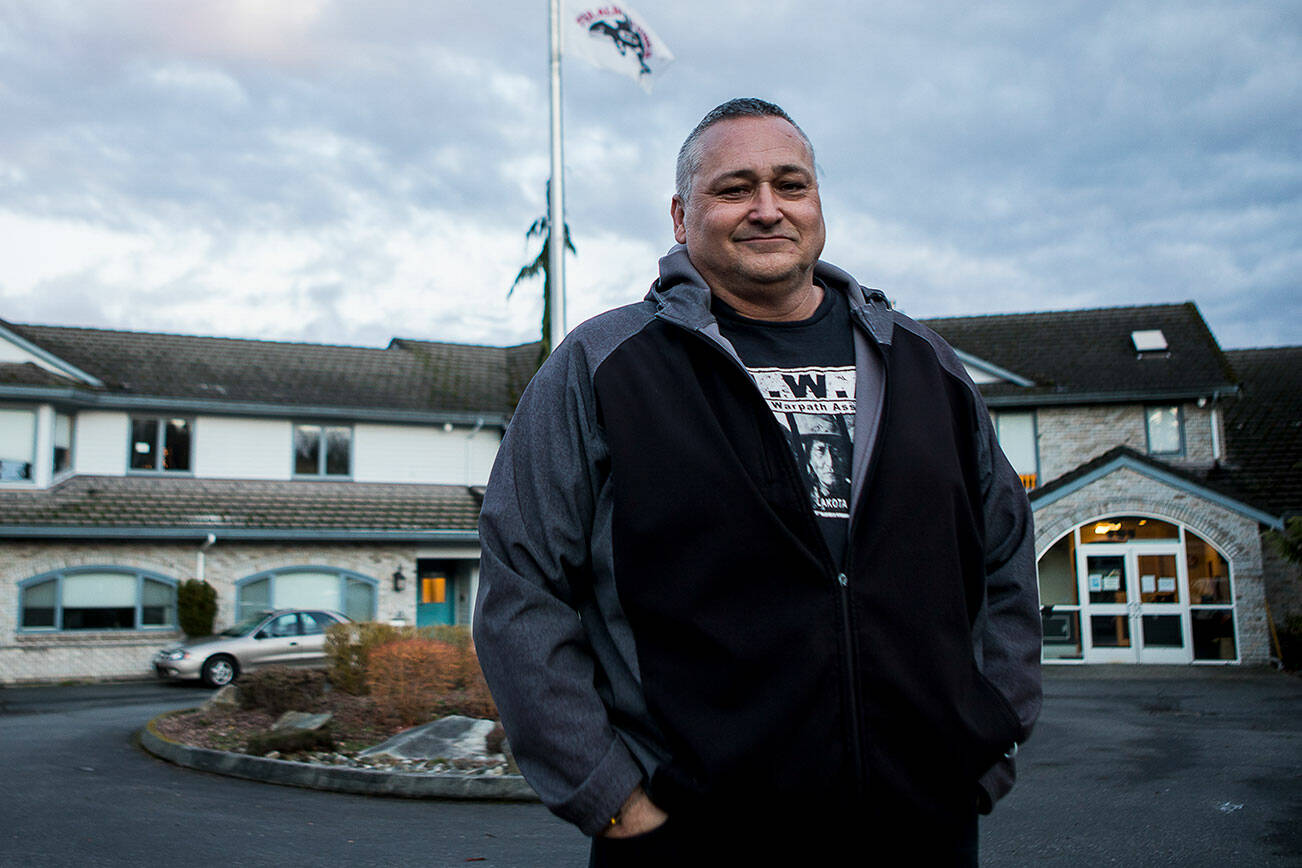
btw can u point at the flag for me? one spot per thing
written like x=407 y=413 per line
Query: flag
x=614 y=37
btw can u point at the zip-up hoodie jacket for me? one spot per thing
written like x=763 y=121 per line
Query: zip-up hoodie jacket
x=657 y=604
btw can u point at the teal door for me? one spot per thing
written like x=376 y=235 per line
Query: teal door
x=435 y=598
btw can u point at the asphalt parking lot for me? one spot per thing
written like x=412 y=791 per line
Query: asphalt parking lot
x=1157 y=766
x=1129 y=766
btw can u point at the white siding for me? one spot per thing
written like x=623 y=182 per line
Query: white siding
x=412 y=453
x=483 y=452
x=100 y=443
x=229 y=447
x=44 y=445
x=979 y=376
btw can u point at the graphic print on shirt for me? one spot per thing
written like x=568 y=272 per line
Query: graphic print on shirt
x=815 y=407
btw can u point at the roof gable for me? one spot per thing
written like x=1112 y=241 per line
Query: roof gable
x=1124 y=457
x=17 y=350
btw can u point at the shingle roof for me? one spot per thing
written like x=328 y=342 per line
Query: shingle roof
x=1263 y=429
x=418 y=376
x=215 y=505
x=1071 y=355
x=28 y=374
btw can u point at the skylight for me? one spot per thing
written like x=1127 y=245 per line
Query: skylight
x=1148 y=340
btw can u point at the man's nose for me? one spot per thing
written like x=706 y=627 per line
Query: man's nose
x=764 y=207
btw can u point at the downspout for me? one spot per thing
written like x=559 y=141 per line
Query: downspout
x=199 y=556
x=479 y=424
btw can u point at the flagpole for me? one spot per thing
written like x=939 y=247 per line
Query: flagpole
x=556 y=199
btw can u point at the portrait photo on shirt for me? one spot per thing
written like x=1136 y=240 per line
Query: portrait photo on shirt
x=815 y=407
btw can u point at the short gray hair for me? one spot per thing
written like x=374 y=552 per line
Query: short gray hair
x=689 y=155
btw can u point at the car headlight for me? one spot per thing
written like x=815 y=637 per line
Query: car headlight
x=174 y=654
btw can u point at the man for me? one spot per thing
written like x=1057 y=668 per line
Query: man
x=703 y=653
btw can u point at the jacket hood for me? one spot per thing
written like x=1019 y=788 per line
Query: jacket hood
x=682 y=295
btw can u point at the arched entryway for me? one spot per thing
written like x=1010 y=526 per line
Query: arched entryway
x=1136 y=589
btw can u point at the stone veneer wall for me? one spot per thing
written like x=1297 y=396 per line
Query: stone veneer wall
x=1126 y=492
x=1071 y=436
x=115 y=654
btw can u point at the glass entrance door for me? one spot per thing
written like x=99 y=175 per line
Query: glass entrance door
x=1134 y=611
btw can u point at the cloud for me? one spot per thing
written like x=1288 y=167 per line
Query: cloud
x=321 y=169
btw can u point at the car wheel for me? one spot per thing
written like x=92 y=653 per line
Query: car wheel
x=219 y=670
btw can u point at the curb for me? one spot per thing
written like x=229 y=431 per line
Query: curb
x=338 y=779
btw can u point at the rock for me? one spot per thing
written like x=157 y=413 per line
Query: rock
x=301 y=720
x=227 y=697
x=451 y=737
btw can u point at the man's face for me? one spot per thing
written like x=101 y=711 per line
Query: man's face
x=753 y=222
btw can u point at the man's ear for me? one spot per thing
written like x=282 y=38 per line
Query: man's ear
x=676 y=211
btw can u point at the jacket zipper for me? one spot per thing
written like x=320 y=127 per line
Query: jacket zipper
x=861 y=769
x=839 y=576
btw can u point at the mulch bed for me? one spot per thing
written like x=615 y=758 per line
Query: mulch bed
x=356 y=724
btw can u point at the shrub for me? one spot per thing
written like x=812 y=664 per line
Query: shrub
x=455 y=683
x=1290 y=642
x=348 y=649
x=278 y=689
x=410 y=677
x=472 y=698
x=196 y=607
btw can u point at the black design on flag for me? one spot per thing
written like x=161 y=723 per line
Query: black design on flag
x=815 y=407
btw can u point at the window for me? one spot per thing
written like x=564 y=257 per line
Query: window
x=97 y=598
x=1016 y=433
x=1165 y=431
x=315 y=623
x=161 y=444
x=61 y=460
x=17 y=444
x=322 y=450
x=1211 y=600
x=308 y=588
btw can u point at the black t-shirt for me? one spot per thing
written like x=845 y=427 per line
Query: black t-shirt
x=805 y=371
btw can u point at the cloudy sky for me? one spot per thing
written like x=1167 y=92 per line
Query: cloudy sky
x=346 y=172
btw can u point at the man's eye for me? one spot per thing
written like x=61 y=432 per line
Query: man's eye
x=734 y=192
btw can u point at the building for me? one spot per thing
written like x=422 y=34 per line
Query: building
x=1148 y=508
x=343 y=477
x=285 y=474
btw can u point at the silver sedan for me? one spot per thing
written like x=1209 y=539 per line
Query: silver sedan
x=293 y=637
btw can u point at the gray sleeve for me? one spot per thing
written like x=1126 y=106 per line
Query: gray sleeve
x=1007 y=633
x=535 y=530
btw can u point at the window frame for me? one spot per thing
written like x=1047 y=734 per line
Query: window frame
x=57 y=576
x=30 y=479
x=70 y=457
x=1179 y=451
x=995 y=416
x=343 y=575
x=322 y=456
x=160 y=440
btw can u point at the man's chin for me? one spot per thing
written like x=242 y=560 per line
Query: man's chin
x=768 y=273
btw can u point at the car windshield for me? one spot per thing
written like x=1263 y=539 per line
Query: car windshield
x=245 y=626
